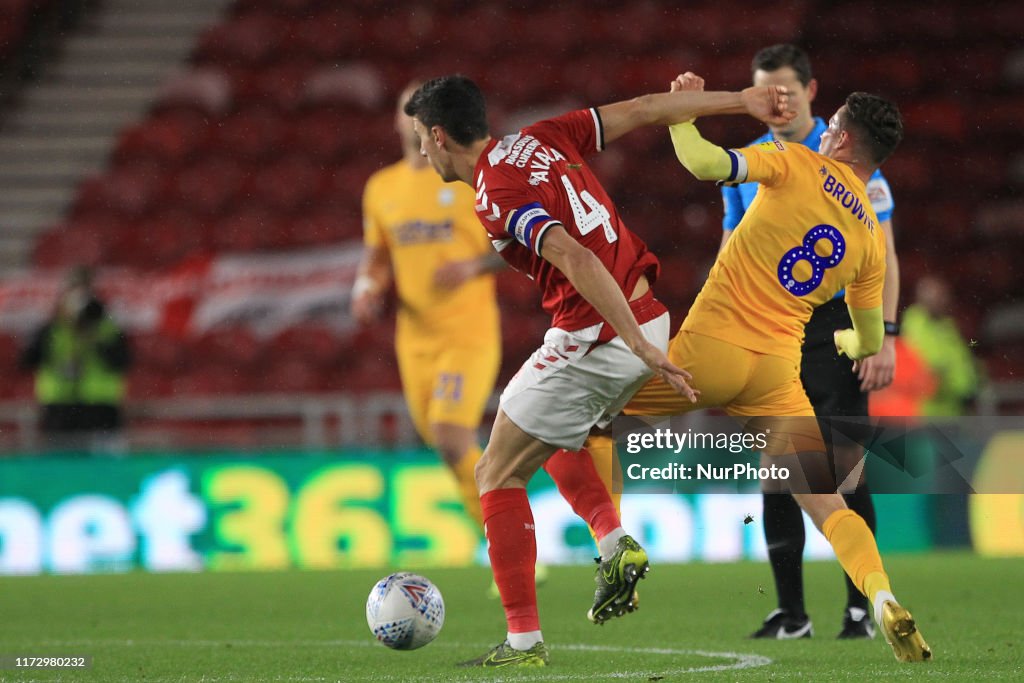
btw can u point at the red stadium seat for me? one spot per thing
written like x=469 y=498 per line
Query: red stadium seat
x=324 y=133
x=129 y=190
x=282 y=7
x=249 y=228
x=281 y=86
x=288 y=184
x=313 y=343
x=354 y=85
x=342 y=186
x=253 y=134
x=209 y=379
x=291 y=375
x=210 y=185
x=163 y=240
x=323 y=226
x=252 y=39
x=13 y=29
x=84 y=240
x=940 y=118
x=145 y=383
x=170 y=137
x=204 y=90
x=327 y=36
x=374 y=372
x=855 y=23
x=158 y=353
x=10 y=349
x=234 y=347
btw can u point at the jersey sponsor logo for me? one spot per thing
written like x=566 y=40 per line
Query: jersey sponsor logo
x=446 y=196
x=879 y=195
x=527 y=150
x=519 y=154
x=838 y=192
x=422 y=232
x=772 y=146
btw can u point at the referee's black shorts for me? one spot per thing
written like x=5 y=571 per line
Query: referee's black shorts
x=828 y=378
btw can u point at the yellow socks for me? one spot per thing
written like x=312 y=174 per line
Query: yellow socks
x=466 y=478
x=857 y=551
x=602 y=450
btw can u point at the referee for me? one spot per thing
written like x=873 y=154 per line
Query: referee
x=835 y=385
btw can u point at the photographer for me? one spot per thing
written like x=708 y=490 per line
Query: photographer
x=80 y=357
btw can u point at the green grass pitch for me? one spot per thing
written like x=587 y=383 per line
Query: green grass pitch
x=310 y=626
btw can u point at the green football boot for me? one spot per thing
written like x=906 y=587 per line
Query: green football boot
x=506 y=655
x=616 y=580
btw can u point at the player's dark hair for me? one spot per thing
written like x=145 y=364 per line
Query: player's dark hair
x=879 y=122
x=775 y=57
x=453 y=102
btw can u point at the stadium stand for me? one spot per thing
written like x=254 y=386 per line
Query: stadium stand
x=262 y=144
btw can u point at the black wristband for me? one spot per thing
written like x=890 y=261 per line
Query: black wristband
x=892 y=329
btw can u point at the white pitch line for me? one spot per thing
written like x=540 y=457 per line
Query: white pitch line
x=740 y=660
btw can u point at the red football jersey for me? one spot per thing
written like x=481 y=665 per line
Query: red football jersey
x=537 y=178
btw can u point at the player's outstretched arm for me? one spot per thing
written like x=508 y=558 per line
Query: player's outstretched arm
x=769 y=104
x=865 y=339
x=593 y=281
x=705 y=160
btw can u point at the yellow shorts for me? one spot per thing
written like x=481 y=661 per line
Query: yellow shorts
x=742 y=382
x=450 y=385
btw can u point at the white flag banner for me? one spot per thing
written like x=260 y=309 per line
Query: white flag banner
x=263 y=292
x=270 y=292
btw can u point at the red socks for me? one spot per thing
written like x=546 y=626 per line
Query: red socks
x=512 y=546
x=512 y=543
x=581 y=486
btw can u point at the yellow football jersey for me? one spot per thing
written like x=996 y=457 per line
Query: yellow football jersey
x=424 y=223
x=809 y=233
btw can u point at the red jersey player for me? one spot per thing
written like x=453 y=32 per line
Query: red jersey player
x=549 y=217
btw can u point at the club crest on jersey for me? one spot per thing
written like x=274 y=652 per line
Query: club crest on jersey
x=446 y=196
x=877 y=194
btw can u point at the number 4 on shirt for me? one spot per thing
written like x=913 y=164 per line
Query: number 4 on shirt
x=587 y=221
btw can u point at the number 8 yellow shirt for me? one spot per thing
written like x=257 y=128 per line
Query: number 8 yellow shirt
x=809 y=233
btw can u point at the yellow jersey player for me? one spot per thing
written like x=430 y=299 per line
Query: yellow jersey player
x=423 y=233
x=810 y=232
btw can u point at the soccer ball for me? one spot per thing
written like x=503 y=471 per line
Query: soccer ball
x=405 y=611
